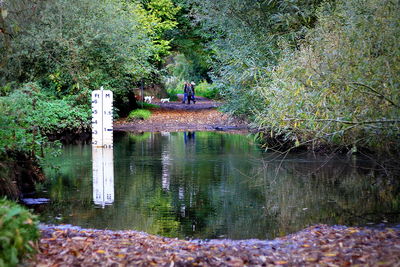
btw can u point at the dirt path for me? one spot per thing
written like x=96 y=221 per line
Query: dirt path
x=176 y=116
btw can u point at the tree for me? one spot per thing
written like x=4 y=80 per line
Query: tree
x=341 y=87
x=246 y=38
x=157 y=17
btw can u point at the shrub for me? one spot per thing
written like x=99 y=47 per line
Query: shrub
x=342 y=86
x=18 y=232
x=30 y=115
x=207 y=90
x=145 y=105
x=142 y=114
x=172 y=94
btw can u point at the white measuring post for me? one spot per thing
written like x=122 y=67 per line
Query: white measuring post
x=102 y=119
x=103 y=176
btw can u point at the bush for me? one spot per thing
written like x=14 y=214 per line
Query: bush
x=202 y=89
x=207 y=90
x=145 y=105
x=172 y=94
x=142 y=114
x=18 y=232
x=342 y=86
x=30 y=115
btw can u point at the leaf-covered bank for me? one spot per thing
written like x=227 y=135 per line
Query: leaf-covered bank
x=314 y=246
x=18 y=174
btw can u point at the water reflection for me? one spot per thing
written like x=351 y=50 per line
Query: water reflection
x=189 y=137
x=166 y=163
x=218 y=186
x=103 y=176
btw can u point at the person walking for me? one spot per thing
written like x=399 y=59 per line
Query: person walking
x=189 y=91
x=193 y=85
x=185 y=89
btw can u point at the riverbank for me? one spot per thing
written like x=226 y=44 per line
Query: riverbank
x=176 y=116
x=19 y=172
x=318 y=245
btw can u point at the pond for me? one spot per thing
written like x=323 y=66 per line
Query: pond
x=211 y=185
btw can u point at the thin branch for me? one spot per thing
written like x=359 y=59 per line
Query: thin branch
x=376 y=92
x=345 y=122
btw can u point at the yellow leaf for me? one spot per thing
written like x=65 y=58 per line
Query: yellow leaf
x=353 y=230
x=331 y=254
x=101 y=251
x=297 y=143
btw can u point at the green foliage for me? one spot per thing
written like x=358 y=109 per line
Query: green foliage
x=342 y=86
x=245 y=42
x=141 y=114
x=18 y=232
x=189 y=39
x=180 y=68
x=145 y=105
x=73 y=47
x=30 y=115
x=173 y=94
x=157 y=17
x=207 y=90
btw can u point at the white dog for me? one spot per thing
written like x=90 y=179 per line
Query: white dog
x=148 y=99
x=163 y=100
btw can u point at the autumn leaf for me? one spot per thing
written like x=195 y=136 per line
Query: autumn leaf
x=314 y=245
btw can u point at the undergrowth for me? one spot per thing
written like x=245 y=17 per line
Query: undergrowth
x=141 y=114
x=18 y=233
x=145 y=105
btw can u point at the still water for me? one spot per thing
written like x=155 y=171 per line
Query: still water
x=211 y=185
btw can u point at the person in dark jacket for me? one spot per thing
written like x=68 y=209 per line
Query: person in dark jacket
x=193 y=85
x=190 y=92
x=185 y=89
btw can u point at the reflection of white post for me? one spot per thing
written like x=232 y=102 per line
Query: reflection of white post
x=102 y=124
x=103 y=176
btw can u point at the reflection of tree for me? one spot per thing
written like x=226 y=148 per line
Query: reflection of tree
x=300 y=193
x=222 y=189
x=165 y=222
x=139 y=137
